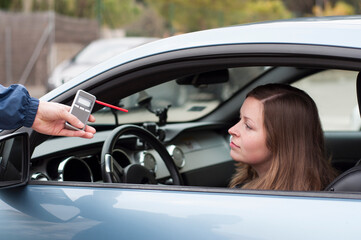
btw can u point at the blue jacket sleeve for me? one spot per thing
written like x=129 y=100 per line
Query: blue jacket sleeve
x=17 y=108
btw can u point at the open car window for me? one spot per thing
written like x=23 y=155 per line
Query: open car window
x=186 y=99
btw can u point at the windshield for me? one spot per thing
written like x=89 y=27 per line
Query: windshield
x=185 y=102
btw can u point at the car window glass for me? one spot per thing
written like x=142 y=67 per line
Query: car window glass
x=334 y=92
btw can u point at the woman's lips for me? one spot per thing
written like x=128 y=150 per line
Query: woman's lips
x=232 y=144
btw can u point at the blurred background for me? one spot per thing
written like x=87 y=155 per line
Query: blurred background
x=44 y=43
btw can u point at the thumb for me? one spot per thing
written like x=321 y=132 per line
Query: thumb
x=73 y=120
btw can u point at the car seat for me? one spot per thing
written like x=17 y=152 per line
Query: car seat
x=348 y=181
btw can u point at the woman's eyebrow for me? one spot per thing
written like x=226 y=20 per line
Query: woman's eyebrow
x=249 y=119
x=245 y=117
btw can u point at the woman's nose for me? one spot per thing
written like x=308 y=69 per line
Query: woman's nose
x=233 y=130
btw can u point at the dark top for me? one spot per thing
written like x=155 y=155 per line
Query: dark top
x=17 y=108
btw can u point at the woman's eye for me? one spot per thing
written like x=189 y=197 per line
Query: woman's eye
x=247 y=126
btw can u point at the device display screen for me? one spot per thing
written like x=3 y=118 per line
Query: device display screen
x=83 y=101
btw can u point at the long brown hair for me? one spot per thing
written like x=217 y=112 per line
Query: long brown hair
x=295 y=138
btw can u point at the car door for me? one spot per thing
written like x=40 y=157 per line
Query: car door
x=103 y=212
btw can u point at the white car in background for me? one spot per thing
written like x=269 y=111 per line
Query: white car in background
x=94 y=53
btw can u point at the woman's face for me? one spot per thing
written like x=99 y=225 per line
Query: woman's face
x=248 y=142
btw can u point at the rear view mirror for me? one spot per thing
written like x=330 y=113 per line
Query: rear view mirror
x=14 y=160
x=206 y=78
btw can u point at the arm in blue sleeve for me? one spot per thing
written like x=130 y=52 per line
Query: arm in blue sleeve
x=17 y=108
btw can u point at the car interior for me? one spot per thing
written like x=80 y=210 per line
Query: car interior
x=176 y=130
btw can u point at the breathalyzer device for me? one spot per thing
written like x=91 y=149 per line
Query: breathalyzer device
x=81 y=107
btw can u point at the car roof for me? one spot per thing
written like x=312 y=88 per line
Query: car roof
x=326 y=31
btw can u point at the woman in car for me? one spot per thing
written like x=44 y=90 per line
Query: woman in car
x=278 y=143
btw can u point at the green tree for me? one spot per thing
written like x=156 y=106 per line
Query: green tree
x=312 y=7
x=12 y=5
x=356 y=5
x=192 y=15
x=261 y=10
x=5 y=4
x=112 y=13
x=339 y=8
x=301 y=8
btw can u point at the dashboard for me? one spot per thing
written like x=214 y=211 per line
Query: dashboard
x=199 y=150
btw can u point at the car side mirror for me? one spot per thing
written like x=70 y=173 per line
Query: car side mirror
x=14 y=160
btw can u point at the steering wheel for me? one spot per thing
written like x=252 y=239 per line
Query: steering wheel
x=134 y=173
